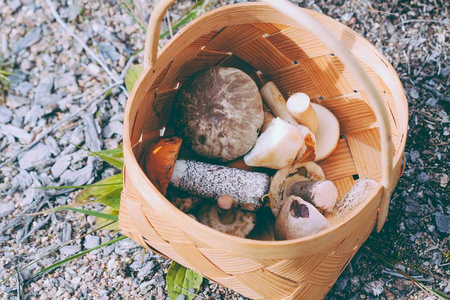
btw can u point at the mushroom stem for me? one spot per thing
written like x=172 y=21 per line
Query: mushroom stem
x=323 y=194
x=275 y=101
x=211 y=181
x=299 y=106
x=268 y=117
x=225 y=209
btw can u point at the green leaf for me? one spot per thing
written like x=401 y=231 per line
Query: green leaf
x=105 y=223
x=181 y=280
x=97 y=214
x=101 y=188
x=75 y=256
x=132 y=76
x=111 y=199
x=114 y=160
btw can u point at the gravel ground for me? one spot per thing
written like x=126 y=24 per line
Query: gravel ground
x=62 y=93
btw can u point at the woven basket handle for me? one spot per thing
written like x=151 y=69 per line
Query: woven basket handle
x=304 y=20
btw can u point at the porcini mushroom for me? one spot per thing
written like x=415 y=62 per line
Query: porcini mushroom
x=308 y=150
x=222 y=216
x=275 y=101
x=298 y=218
x=356 y=196
x=219 y=113
x=328 y=132
x=285 y=177
x=277 y=147
x=211 y=181
x=322 y=193
x=299 y=106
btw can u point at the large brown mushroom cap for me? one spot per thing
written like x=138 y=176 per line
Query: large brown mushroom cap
x=219 y=113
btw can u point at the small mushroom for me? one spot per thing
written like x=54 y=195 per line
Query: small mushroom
x=275 y=101
x=277 y=147
x=308 y=150
x=299 y=106
x=184 y=201
x=356 y=196
x=323 y=193
x=211 y=181
x=219 y=113
x=222 y=216
x=298 y=218
x=328 y=132
x=296 y=172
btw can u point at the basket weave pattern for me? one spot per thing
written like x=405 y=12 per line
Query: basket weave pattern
x=267 y=46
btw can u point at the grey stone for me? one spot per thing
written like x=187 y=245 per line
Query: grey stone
x=53 y=145
x=374 y=287
x=48 y=99
x=432 y=102
x=181 y=297
x=14 y=101
x=414 y=155
x=6 y=209
x=412 y=207
x=159 y=279
x=79 y=177
x=73 y=11
x=31 y=38
x=91 y=241
x=145 y=270
x=14 y=5
x=24 y=88
x=40 y=152
x=20 y=182
x=93 y=142
x=414 y=93
x=447 y=289
x=32 y=116
x=64 y=80
x=442 y=223
x=145 y=287
x=422 y=177
x=19 y=133
x=45 y=85
x=113 y=128
x=125 y=246
x=70 y=250
x=342 y=282
x=109 y=51
x=5 y=115
x=61 y=164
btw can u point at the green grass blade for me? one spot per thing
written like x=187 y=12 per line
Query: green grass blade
x=75 y=256
x=90 y=213
x=113 y=161
x=57 y=248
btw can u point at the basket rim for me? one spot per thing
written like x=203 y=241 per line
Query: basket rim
x=149 y=192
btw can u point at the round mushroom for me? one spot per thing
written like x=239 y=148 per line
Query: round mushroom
x=286 y=176
x=222 y=216
x=219 y=113
x=298 y=218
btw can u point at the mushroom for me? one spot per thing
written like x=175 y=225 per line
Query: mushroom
x=201 y=179
x=219 y=113
x=285 y=177
x=308 y=150
x=298 y=218
x=268 y=117
x=277 y=147
x=184 y=201
x=222 y=216
x=211 y=181
x=275 y=101
x=299 y=106
x=357 y=195
x=322 y=193
x=328 y=133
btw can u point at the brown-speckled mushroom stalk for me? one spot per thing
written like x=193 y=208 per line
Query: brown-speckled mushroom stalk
x=298 y=218
x=323 y=194
x=225 y=209
x=219 y=112
x=211 y=181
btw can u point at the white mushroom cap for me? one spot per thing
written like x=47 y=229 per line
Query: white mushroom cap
x=293 y=173
x=298 y=218
x=328 y=132
x=243 y=224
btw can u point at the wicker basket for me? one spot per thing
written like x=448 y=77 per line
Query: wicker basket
x=301 y=51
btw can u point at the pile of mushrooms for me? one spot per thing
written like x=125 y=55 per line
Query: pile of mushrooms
x=222 y=117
